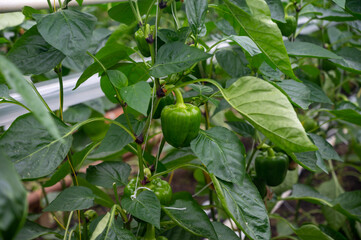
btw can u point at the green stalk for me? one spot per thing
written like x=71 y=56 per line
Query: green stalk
x=179 y=98
x=140 y=162
x=61 y=90
x=150 y=233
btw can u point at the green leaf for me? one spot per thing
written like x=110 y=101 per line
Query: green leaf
x=123 y=12
x=77 y=113
x=116 y=138
x=32 y=230
x=68 y=31
x=4 y=91
x=269 y=111
x=145 y=206
x=33 y=55
x=305 y=49
x=311 y=232
x=34 y=157
x=187 y=213
x=351 y=59
x=222 y=153
x=101 y=197
x=276 y=8
x=264 y=33
x=13 y=201
x=349 y=204
x=224 y=232
x=231 y=62
x=354 y=7
x=73 y=198
x=196 y=13
x=25 y=88
x=307 y=193
x=312 y=160
x=245 y=206
x=349 y=112
x=326 y=150
x=317 y=94
x=242 y=127
x=137 y=96
x=108 y=56
x=246 y=44
x=107 y=173
x=176 y=57
x=168 y=35
x=117 y=78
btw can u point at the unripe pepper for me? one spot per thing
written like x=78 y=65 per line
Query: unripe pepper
x=272 y=167
x=289 y=27
x=141 y=39
x=180 y=122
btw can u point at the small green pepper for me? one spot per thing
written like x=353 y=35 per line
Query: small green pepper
x=272 y=167
x=161 y=189
x=180 y=122
x=289 y=27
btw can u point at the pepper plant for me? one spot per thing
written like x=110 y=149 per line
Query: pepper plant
x=210 y=87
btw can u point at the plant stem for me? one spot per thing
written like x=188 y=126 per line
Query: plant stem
x=116 y=193
x=61 y=90
x=179 y=97
x=251 y=158
x=140 y=162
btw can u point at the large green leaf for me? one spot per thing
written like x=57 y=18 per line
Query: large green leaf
x=107 y=173
x=145 y=206
x=268 y=110
x=108 y=56
x=351 y=59
x=196 y=13
x=73 y=198
x=32 y=149
x=175 y=57
x=116 y=138
x=33 y=55
x=224 y=232
x=68 y=31
x=11 y=19
x=311 y=232
x=246 y=44
x=305 y=49
x=25 y=88
x=222 y=153
x=245 y=206
x=137 y=96
x=264 y=33
x=187 y=213
x=13 y=201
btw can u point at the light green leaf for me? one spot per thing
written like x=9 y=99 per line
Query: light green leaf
x=196 y=13
x=68 y=31
x=175 y=57
x=269 y=111
x=305 y=49
x=264 y=33
x=222 y=153
x=246 y=44
x=11 y=19
x=25 y=88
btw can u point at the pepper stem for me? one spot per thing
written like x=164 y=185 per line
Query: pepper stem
x=179 y=97
x=150 y=233
x=270 y=151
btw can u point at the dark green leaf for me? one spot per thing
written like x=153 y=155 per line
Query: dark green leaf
x=178 y=233
x=33 y=55
x=68 y=31
x=123 y=12
x=176 y=57
x=245 y=206
x=34 y=157
x=32 y=230
x=305 y=49
x=269 y=111
x=349 y=112
x=117 y=78
x=311 y=232
x=317 y=94
x=73 y=198
x=187 y=213
x=231 y=62
x=326 y=150
x=224 y=232
x=351 y=59
x=196 y=13
x=107 y=173
x=24 y=87
x=116 y=138
x=276 y=9
x=349 y=204
x=298 y=92
x=222 y=153
x=246 y=44
x=168 y=35
x=13 y=201
x=145 y=206
x=137 y=96
x=312 y=160
x=108 y=56
x=307 y=193
x=354 y=7
x=264 y=33
x=242 y=127
x=77 y=113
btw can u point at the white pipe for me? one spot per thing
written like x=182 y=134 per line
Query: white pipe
x=17 y=5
